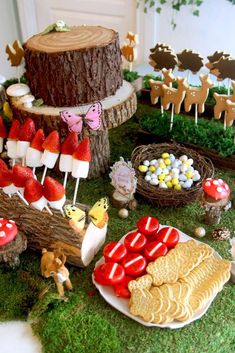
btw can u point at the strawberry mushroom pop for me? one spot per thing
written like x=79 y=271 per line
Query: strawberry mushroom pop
x=20 y=176
x=54 y=193
x=33 y=193
x=35 y=151
x=51 y=152
x=66 y=157
x=12 y=140
x=6 y=180
x=81 y=160
x=3 y=133
x=26 y=134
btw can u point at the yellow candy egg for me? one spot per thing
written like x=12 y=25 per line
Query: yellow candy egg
x=167 y=161
x=175 y=181
x=162 y=176
x=187 y=163
x=143 y=168
x=169 y=184
x=152 y=168
x=177 y=187
x=189 y=175
x=165 y=155
x=162 y=165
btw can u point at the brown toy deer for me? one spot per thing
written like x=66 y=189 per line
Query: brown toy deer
x=220 y=100
x=52 y=265
x=198 y=95
x=156 y=86
x=230 y=112
x=174 y=95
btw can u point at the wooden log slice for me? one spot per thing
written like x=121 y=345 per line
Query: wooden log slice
x=116 y=110
x=10 y=252
x=75 y=67
x=53 y=232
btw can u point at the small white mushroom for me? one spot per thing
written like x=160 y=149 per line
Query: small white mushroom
x=27 y=100
x=18 y=90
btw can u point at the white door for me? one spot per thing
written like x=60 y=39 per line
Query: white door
x=119 y=15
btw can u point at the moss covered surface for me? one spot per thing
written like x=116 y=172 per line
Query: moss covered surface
x=86 y=323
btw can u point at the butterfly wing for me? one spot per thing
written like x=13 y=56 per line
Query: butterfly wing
x=77 y=217
x=92 y=118
x=98 y=213
x=74 y=121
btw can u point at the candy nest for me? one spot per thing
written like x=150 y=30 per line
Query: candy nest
x=169 y=197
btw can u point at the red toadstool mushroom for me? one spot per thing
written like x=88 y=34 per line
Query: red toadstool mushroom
x=217 y=189
x=8 y=231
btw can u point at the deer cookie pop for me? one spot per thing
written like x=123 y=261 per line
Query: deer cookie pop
x=81 y=160
x=3 y=133
x=51 y=152
x=35 y=151
x=66 y=157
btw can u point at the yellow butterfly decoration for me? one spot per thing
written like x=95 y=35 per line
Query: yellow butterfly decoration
x=77 y=217
x=98 y=213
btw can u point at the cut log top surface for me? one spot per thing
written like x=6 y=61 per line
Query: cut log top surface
x=79 y=37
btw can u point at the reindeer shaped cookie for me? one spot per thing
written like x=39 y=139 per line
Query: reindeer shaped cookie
x=173 y=95
x=220 y=100
x=198 y=95
x=52 y=265
x=156 y=86
x=230 y=112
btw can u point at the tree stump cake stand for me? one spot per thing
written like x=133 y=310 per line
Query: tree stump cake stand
x=116 y=110
x=10 y=252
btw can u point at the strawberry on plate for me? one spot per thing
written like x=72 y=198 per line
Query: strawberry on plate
x=121 y=290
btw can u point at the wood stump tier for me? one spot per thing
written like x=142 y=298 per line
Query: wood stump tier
x=116 y=110
x=53 y=232
x=75 y=67
x=10 y=252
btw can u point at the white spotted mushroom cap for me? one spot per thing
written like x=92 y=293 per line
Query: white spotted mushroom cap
x=8 y=231
x=216 y=188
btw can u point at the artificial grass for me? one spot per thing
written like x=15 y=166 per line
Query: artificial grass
x=86 y=323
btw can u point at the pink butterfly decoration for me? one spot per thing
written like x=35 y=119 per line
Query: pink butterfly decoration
x=75 y=122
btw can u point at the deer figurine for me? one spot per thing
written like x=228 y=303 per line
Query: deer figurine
x=198 y=95
x=156 y=86
x=230 y=112
x=220 y=100
x=174 y=96
x=129 y=50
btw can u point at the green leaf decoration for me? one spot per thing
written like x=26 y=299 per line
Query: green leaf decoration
x=49 y=29
x=196 y=13
x=158 y=9
x=38 y=102
x=55 y=28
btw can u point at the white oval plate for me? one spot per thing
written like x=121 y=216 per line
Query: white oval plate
x=122 y=304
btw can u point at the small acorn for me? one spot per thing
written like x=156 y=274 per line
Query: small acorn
x=199 y=232
x=123 y=213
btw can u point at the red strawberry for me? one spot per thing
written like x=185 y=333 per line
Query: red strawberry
x=27 y=131
x=38 y=140
x=21 y=175
x=33 y=190
x=53 y=190
x=3 y=165
x=3 y=130
x=6 y=178
x=70 y=143
x=83 y=152
x=52 y=142
x=14 y=130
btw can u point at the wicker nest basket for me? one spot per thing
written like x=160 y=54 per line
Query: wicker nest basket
x=169 y=197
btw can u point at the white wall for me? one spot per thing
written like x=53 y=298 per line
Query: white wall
x=213 y=30
x=9 y=32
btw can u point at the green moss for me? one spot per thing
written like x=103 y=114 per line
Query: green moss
x=130 y=76
x=86 y=323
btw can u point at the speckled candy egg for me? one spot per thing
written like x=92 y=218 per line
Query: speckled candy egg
x=183 y=158
x=147 y=178
x=199 y=232
x=146 y=163
x=143 y=168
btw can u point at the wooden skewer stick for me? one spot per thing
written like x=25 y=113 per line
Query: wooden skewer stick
x=22 y=198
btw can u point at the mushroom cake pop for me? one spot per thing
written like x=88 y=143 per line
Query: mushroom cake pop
x=34 y=152
x=26 y=134
x=3 y=133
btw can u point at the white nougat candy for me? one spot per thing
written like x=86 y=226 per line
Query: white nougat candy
x=49 y=159
x=1 y=144
x=57 y=204
x=66 y=163
x=10 y=189
x=12 y=149
x=40 y=204
x=33 y=158
x=80 y=168
x=21 y=148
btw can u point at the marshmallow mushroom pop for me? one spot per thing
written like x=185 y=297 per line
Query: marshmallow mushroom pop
x=68 y=147
x=12 y=140
x=26 y=134
x=51 y=152
x=80 y=166
x=35 y=151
